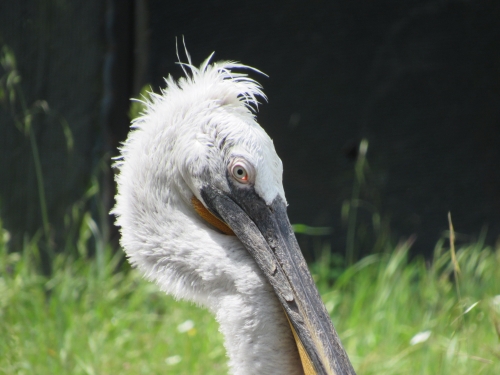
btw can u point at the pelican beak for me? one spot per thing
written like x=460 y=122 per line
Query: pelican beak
x=268 y=236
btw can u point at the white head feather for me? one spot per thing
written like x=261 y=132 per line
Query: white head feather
x=187 y=134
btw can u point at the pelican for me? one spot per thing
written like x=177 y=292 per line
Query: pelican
x=202 y=212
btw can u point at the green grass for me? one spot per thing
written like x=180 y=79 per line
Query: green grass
x=93 y=317
x=382 y=303
x=87 y=319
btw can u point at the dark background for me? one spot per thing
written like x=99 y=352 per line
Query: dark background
x=419 y=80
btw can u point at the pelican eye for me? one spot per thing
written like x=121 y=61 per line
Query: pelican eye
x=241 y=171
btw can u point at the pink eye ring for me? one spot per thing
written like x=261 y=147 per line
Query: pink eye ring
x=241 y=171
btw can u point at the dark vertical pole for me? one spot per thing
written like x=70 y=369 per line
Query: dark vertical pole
x=141 y=44
x=124 y=72
x=118 y=70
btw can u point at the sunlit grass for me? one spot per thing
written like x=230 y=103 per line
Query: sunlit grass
x=86 y=320
x=394 y=317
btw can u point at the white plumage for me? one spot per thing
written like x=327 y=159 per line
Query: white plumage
x=181 y=145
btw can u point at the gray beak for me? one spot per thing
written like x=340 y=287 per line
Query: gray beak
x=267 y=234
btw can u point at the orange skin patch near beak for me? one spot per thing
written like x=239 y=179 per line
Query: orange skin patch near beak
x=209 y=217
x=220 y=225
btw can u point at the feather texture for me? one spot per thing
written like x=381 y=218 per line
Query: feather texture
x=186 y=137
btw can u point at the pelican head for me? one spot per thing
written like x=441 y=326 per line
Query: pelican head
x=202 y=213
